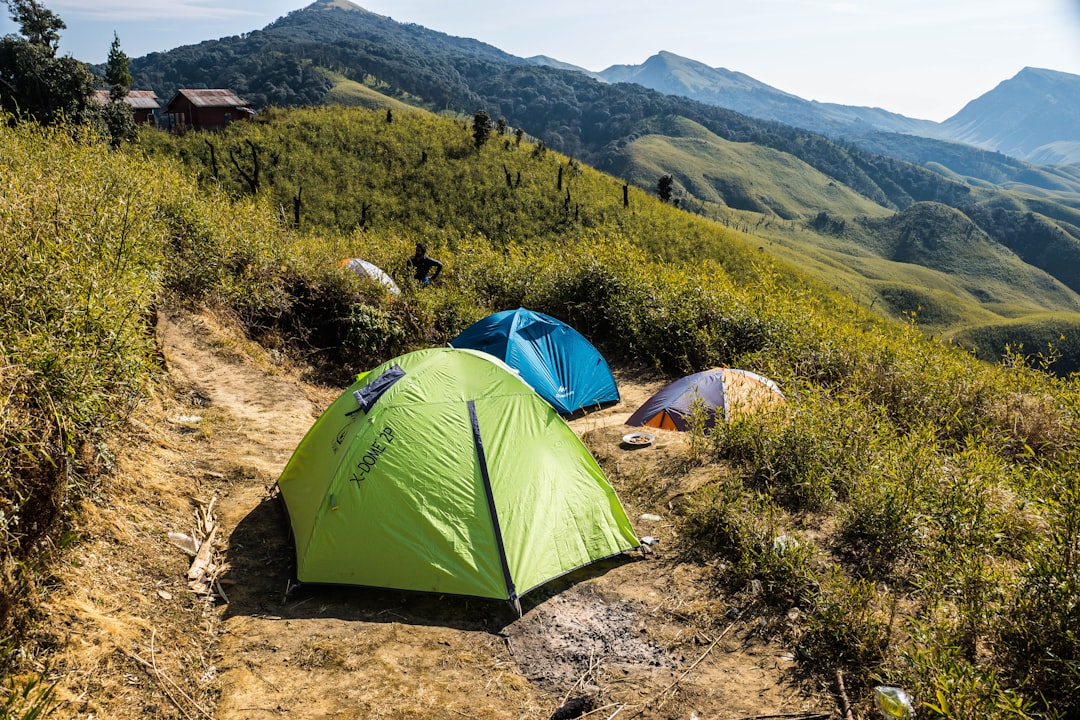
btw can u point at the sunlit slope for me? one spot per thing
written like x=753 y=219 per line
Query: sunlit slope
x=349 y=92
x=419 y=174
x=1055 y=338
x=742 y=176
x=930 y=261
x=941 y=238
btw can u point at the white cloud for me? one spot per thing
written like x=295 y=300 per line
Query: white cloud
x=139 y=10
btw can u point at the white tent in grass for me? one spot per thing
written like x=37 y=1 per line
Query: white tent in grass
x=365 y=269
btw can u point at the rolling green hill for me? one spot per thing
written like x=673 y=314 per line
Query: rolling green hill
x=346 y=92
x=803 y=197
x=930 y=262
x=740 y=176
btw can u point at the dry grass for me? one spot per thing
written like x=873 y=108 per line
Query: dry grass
x=122 y=637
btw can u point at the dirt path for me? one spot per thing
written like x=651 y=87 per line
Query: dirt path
x=633 y=637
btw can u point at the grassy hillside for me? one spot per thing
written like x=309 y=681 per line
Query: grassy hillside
x=929 y=261
x=918 y=506
x=741 y=176
x=347 y=93
x=92 y=240
x=1052 y=339
x=757 y=175
x=945 y=240
x=360 y=172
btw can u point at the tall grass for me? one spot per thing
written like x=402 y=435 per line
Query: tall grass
x=80 y=267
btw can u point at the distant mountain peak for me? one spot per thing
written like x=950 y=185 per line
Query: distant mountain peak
x=340 y=4
x=1043 y=72
x=1035 y=116
x=674 y=74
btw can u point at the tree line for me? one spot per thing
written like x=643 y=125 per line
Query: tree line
x=36 y=84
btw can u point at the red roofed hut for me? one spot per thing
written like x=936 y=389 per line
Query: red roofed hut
x=205 y=110
x=143 y=104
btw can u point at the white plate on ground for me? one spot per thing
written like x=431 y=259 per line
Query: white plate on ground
x=638 y=439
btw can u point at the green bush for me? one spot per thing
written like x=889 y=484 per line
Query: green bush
x=1040 y=628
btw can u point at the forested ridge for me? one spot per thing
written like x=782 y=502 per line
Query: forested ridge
x=567 y=110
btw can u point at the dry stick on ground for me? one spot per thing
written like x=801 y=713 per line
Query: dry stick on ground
x=206 y=517
x=201 y=563
x=605 y=707
x=161 y=677
x=594 y=664
x=153 y=664
x=845 y=705
x=251 y=669
x=221 y=591
x=660 y=696
x=792 y=716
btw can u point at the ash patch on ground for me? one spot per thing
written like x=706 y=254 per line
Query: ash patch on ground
x=578 y=634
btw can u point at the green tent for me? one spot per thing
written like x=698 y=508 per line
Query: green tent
x=442 y=471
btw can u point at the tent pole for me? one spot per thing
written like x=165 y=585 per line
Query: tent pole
x=478 y=443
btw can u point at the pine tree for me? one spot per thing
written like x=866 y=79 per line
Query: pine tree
x=664 y=187
x=40 y=27
x=481 y=128
x=117 y=74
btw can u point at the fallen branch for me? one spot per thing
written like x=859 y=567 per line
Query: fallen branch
x=203 y=573
x=201 y=563
x=845 y=705
x=792 y=716
x=161 y=677
x=660 y=696
x=206 y=517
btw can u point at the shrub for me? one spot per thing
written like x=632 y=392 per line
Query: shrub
x=848 y=624
x=1040 y=627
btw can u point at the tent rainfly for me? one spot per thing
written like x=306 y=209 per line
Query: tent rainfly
x=719 y=393
x=363 y=268
x=554 y=358
x=442 y=471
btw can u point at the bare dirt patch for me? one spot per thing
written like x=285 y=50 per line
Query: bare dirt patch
x=639 y=636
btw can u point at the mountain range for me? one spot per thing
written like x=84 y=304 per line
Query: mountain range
x=1034 y=116
x=821 y=184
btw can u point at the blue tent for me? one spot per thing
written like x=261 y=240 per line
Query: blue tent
x=555 y=359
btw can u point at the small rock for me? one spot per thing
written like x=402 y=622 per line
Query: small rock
x=577 y=706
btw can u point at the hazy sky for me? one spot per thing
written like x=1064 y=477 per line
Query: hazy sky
x=922 y=58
